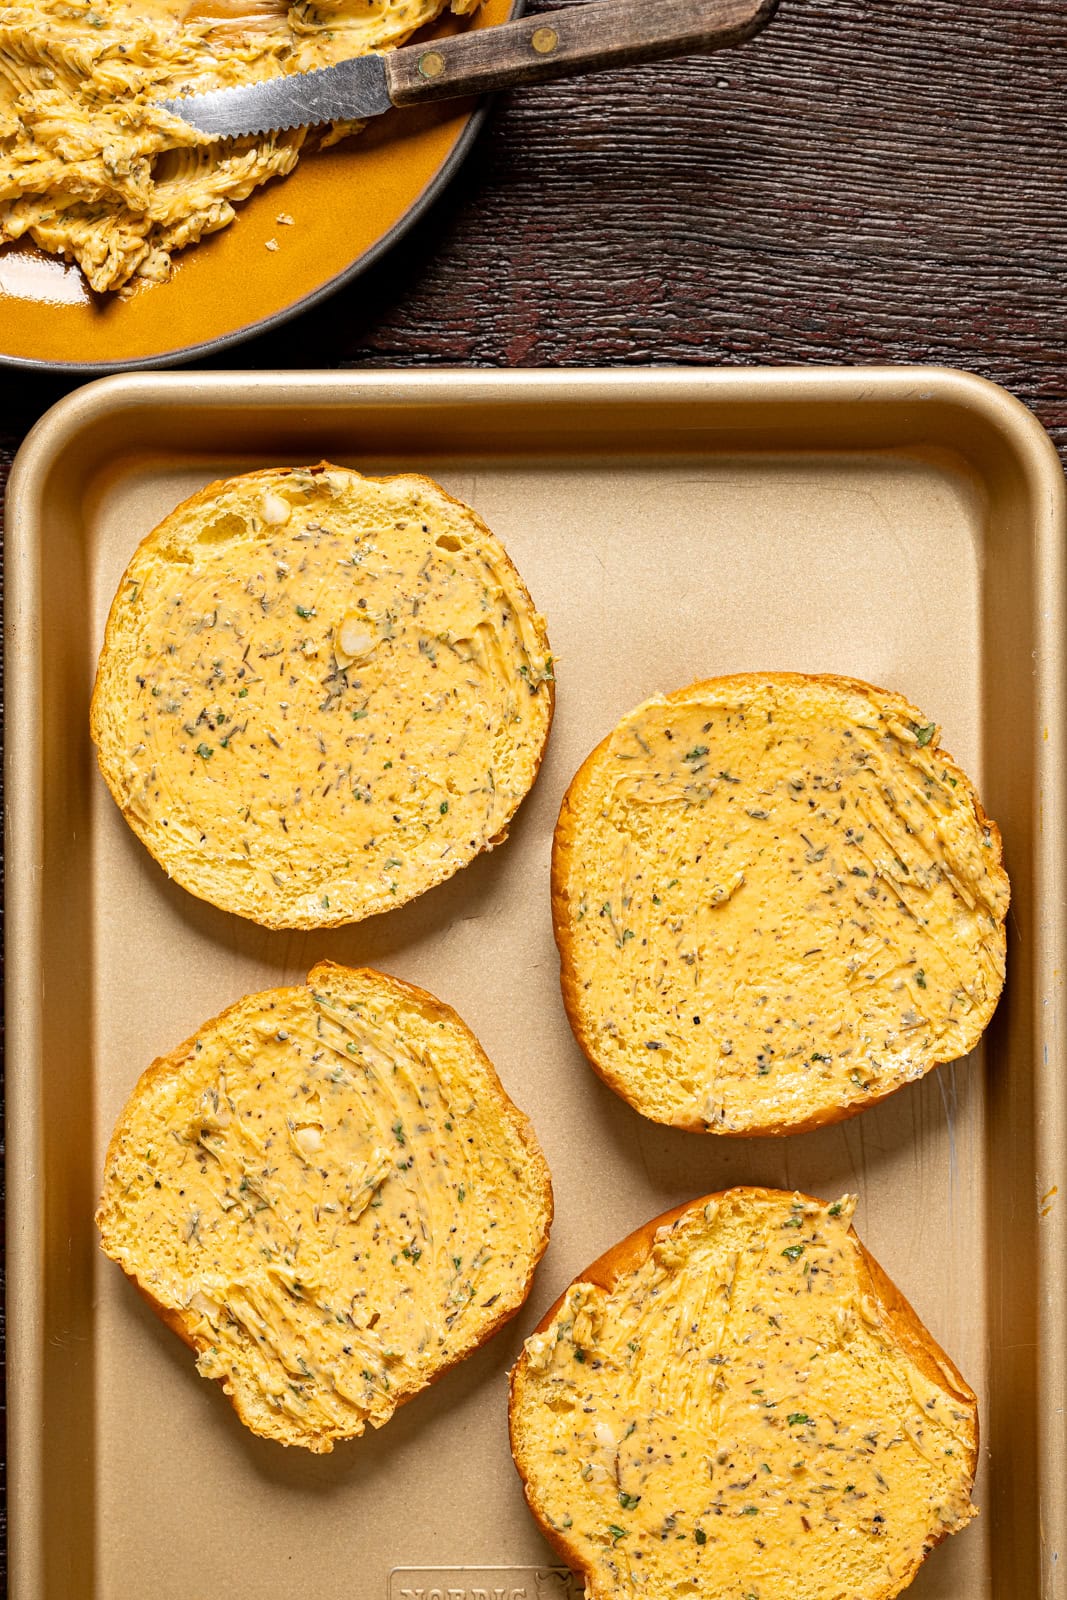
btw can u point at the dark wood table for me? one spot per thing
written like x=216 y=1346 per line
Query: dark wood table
x=871 y=181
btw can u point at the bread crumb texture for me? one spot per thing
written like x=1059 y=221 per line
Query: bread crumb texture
x=327 y=1193
x=320 y=694
x=743 y=1409
x=776 y=900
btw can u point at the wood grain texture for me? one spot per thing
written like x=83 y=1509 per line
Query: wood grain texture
x=870 y=180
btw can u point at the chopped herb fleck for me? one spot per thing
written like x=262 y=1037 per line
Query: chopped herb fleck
x=793 y=1252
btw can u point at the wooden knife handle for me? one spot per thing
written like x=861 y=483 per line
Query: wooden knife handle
x=582 y=38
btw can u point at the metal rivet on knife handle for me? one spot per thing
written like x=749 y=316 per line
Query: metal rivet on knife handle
x=432 y=64
x=545 y=40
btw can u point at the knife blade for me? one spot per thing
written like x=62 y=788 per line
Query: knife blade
x=591 y=37
x=349 y=92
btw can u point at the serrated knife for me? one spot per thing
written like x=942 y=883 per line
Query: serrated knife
x=590 y=37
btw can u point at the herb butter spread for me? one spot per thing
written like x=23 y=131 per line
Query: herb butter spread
x=328 y=1194
x=776 y=900
x=738 y=1405
x=94 y=171
x=320 y=694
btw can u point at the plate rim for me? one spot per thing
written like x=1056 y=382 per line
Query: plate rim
x=432 y=191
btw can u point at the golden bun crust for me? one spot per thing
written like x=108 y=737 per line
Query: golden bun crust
x=570 y=841
x=296 y=625
x=623 y=1259
x=140 y=1248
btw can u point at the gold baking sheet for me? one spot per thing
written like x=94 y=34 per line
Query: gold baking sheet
x=905 y=526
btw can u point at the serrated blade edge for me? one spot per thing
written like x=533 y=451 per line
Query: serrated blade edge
x=349 y=91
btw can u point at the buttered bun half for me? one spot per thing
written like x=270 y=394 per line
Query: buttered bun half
x=320 y=694
x=327 y=1193
x=776 y=900
x=736 y=1403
